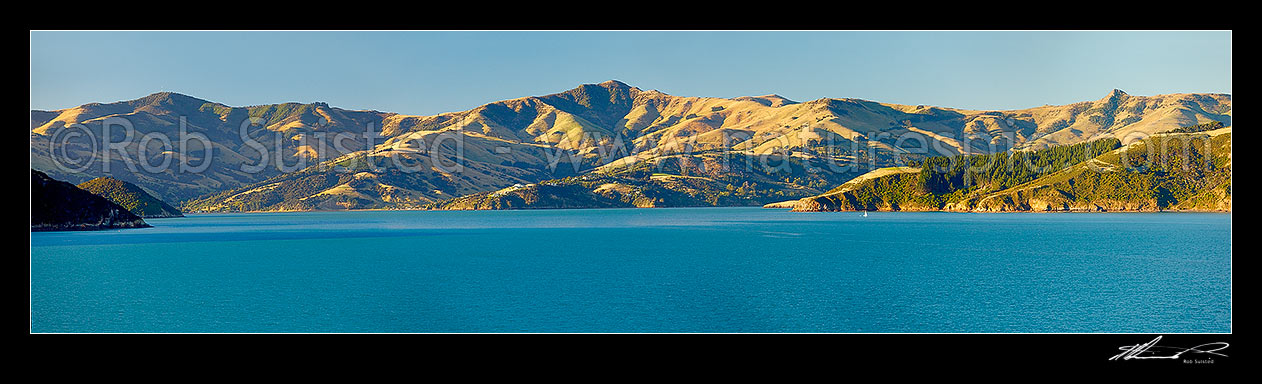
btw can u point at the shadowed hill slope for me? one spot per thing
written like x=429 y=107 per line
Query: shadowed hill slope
x=60 y=206
x=131 y=197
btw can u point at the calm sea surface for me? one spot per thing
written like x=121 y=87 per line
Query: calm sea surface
x=640 y=270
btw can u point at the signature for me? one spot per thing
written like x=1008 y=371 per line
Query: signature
x=1151 y=350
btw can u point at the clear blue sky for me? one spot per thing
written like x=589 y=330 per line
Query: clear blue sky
x=434 y=72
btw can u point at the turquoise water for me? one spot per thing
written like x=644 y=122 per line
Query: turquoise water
x=640 y=270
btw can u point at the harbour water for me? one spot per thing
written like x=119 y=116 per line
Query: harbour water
x=640 y=270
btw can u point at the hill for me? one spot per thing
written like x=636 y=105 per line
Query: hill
x=60 y=206
x=237 y=145
x=131 y=197
x=1168 y=171
x=1178 y=171
x=704 y=180
x=589 y=129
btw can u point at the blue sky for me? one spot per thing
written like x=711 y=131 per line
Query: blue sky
x=434 y=72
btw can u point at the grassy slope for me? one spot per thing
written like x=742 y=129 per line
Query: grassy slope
x=885 y=189
x=131 y=197
x=1159 y=173
x=655 y=126
x=1176 y=171
x=711 y=179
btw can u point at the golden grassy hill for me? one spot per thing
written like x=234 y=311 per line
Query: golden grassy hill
x=601 y=127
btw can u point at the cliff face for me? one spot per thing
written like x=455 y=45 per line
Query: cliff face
x=843 y=202
x=60 y=206
x=1024 y=201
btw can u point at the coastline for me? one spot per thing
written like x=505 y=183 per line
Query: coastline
x=735 y=206
x=89 y=227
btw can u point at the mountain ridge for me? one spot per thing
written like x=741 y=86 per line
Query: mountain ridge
x=595 y=127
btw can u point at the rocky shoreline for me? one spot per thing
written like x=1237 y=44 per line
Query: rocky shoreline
x=813 y=206
x=46 y=227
